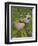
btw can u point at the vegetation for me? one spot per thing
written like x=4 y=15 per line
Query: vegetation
x=18 y=13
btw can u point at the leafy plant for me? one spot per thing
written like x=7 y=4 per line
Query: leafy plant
x=18 y=13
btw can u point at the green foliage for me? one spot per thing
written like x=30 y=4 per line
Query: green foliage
x=18 y=13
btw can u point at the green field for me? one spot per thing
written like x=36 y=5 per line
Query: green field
x=18 y=13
